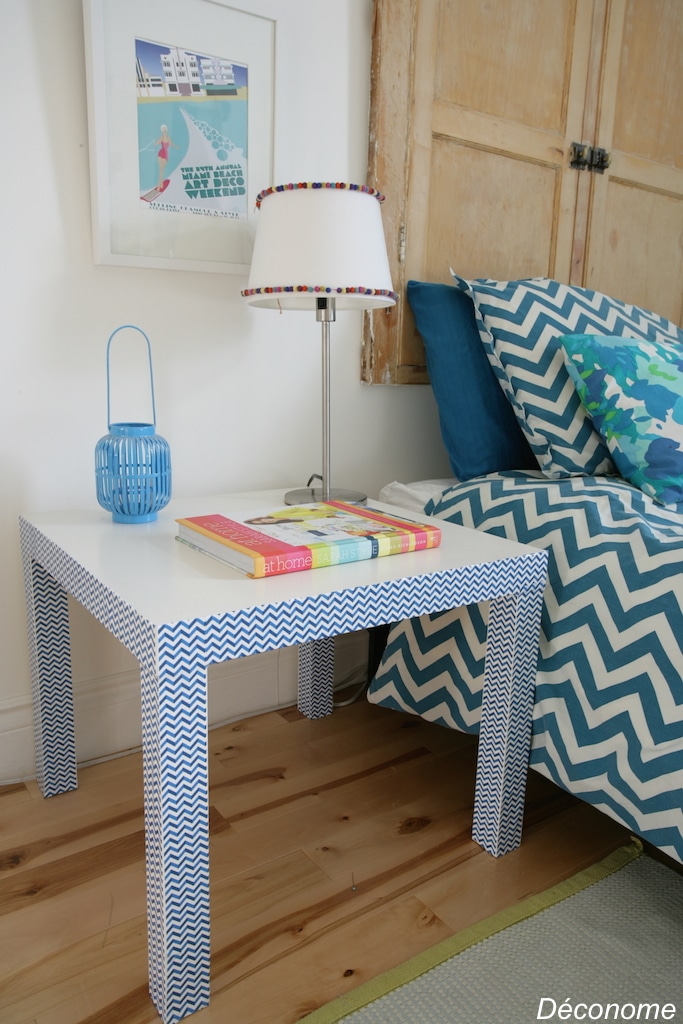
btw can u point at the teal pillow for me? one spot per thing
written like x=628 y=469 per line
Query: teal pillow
x=633 y=392
x=478 y=426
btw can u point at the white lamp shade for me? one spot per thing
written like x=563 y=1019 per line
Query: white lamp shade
x=320 y=239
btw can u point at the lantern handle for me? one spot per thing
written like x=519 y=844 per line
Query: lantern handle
x=132 y=327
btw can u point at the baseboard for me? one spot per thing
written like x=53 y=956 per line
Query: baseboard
x=107 y=708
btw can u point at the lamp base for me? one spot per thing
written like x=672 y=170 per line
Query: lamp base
x=313 y=495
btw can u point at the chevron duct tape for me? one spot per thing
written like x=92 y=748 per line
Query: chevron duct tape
x=253 y=630
x=505 y=731
x=175 y=764
x=316 y=678
x=174 y=728
x=50 y=661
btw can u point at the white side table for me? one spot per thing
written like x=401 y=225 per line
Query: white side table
x=179 y=611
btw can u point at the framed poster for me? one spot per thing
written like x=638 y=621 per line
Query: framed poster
x=181 y=118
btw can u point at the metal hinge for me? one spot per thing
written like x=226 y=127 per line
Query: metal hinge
x=589 y=158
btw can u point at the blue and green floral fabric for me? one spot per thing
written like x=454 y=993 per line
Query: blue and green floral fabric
x=633 y=391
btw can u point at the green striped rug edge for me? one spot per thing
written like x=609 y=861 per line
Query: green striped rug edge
x=342 y=1006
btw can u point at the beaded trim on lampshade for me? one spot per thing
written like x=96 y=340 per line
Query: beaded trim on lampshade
x=318 y=184
x=322 y=289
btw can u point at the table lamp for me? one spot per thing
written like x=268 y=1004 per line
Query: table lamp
x=320 y=246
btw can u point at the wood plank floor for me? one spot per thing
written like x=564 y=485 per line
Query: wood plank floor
x=339 y=848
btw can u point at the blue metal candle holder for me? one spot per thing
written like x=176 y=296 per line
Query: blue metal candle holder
x=132 y=463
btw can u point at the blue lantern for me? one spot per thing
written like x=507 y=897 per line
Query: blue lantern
x=132 y=463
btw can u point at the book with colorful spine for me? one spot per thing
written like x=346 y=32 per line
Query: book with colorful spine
x=296 y=538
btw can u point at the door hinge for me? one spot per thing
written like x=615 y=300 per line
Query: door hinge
x=402 y=243
x=589 y=158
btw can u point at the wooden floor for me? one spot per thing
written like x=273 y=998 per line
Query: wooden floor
x=339 y=848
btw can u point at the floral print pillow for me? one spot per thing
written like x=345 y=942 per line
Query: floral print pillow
x=633 y=392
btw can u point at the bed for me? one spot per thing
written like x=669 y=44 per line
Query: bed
x=561 y=410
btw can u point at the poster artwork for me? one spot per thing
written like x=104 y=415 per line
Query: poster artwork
x=192 y=131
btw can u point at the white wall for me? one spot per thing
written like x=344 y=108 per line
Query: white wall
x=237 y=389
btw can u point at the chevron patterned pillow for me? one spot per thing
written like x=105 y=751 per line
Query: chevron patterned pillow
x=520 y=324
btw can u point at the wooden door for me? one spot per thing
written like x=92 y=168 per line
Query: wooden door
x=634 y=235
x=475 y=107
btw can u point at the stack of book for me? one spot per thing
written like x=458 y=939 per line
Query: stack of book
x=294 y=538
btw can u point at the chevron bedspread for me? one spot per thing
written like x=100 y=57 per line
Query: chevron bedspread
x=608 y=714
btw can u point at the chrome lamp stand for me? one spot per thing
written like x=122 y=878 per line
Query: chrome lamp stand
x=325 y=313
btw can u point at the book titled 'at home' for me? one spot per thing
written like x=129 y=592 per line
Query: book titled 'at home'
x=300 y=537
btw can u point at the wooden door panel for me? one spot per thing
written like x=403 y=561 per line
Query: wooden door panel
x=493 y=94
x=648 y=120
x=635 y=228
x=508 y=234
x=639 y=254
x=507 y=60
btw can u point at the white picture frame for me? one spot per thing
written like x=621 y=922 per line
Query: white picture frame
x=200 y=219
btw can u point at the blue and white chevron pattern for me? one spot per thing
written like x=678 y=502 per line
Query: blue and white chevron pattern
x=608 y=708
x=174 y=730
x=507 y=701
x=315 y=685
x=175 y=761
x=174 y=658
x=50 y=659
x=520 y=323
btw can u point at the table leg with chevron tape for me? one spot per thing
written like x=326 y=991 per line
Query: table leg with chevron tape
x=505 y=731
x=50 y=658
x=316 y=678
x=175 y=761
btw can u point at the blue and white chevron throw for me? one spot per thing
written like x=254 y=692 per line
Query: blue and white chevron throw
x=608 y=711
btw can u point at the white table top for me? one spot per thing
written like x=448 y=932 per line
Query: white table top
x=167 y=582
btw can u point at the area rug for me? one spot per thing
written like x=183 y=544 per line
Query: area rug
x=606 y=944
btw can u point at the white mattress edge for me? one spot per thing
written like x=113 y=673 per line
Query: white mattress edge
x=415 y=495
